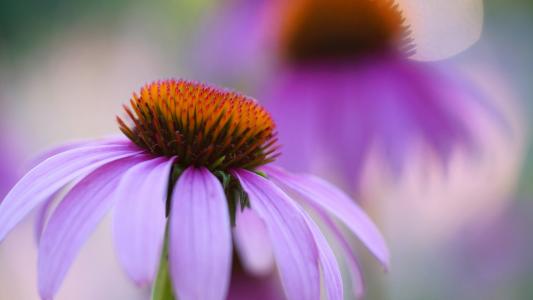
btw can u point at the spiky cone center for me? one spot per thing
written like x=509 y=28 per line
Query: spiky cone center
x=340 y=29
x=201 y=125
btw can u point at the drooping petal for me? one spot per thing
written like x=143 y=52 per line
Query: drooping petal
x=294 y=247
x=296 y=156
x=48 y=177
x=74 y=145
x=320 y=193
x=330 y=268
x=45 y=209
x=43 y=212
x=253 y=243
x=139 y=218
x=200 y=237
x=347 y=252
x=73 y=221
x=354 y=268
x=442 y=28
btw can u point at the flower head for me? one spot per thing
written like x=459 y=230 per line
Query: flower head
x=247 y=31
x=196 y=161
x=339 y=30
x=203 y=126
x=348 y=85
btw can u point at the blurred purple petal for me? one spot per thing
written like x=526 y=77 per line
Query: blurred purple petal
x=252 y=243
x=236 y=32
x=9 y=171
x=139 y=218
x=244 y=286
x=293 y=243
x=343 y=111
x=200 y=237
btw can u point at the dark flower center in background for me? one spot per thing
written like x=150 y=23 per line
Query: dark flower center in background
x=342 y=29
x=201 y=125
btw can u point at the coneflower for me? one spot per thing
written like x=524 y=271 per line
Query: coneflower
x=347 y=82
x=194 y=173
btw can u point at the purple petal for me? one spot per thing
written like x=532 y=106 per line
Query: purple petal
x=51 y=175
x=73 y=221
x=43 y=212
x=325 y=196
x=200 y=237
x=422 y=105
x=73 y=145
x=294 y=247
x=358 y=284
x=330 y=268
x=237 y=31
x=253 y=244
x=139 y=218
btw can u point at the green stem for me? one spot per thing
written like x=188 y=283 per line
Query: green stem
x=162 y=289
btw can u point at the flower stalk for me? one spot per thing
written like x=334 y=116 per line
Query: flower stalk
x=162 y=288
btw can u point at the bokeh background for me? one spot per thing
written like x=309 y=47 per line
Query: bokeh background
x=67 y=66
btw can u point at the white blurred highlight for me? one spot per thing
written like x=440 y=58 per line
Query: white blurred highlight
x=442 y=28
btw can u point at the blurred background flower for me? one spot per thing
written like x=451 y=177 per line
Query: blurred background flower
x=10 y=159
x=418 y=140
x=66 y=66
x=344 y=80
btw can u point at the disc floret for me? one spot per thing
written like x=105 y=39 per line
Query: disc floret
x=339 y=29
x=200 y=125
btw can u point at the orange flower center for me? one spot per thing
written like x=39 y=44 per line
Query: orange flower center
x=340 y=29
x=201 y=125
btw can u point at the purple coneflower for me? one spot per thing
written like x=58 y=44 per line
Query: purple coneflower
x=196 y=162
x=347 y=61
x=347 y=82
